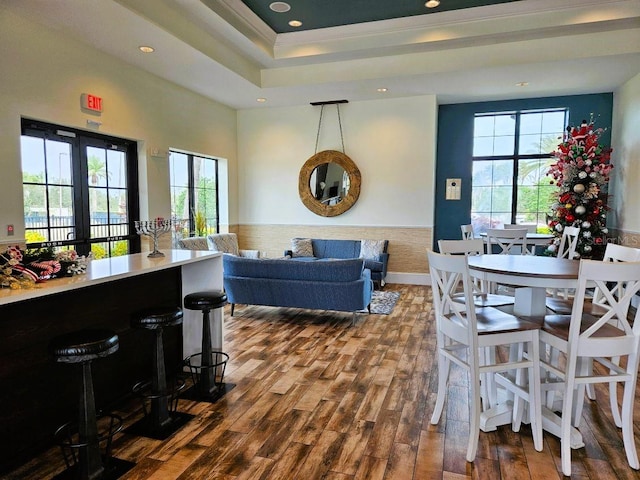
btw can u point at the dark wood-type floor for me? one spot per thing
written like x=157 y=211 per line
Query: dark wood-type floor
x=319 y=398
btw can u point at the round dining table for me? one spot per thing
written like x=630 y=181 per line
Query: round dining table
x=531 y=276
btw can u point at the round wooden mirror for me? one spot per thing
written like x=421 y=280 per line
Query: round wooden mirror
x=329 y=183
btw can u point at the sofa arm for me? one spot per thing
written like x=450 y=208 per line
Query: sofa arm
x=384 y=258
x=249 y=253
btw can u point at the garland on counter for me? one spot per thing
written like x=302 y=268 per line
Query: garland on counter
x=24 y=269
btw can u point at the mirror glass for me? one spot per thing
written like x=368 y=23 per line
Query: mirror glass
x=329 y=183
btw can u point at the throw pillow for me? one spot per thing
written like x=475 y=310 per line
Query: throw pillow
x=301 y=247
x=371 y=249
x=225 y=242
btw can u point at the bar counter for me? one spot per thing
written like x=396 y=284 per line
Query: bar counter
x=36 y=394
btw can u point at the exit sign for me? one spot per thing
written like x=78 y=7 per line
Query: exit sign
x=91 y=102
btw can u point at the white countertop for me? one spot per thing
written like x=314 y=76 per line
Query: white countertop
x=107 y=270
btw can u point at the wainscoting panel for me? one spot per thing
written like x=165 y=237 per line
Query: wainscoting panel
x=407 y=246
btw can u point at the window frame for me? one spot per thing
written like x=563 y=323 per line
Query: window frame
x=192 y=190
x=515 y=157
x=78 y=141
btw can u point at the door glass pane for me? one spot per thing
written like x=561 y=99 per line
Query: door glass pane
x=32 y=159
x=116 y=169
x=107 y=175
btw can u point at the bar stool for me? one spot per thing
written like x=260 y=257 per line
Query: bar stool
x=207 y=364
x=82 y=347
x=161 y=420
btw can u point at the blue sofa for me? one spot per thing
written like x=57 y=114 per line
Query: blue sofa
x=348 y=249
x=342 y=285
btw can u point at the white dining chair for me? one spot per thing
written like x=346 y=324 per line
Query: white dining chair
x=613 y=253
x=509 y=241
x=558 y=303
x=531 y=227
x=585 y=337
x=598 y=304
x=482 y=295
x=467 y=232
x=464 y=331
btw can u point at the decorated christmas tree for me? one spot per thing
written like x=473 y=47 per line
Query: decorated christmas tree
x=581 y=174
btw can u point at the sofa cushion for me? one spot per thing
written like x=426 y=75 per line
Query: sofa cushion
x=371 y=249
x=327 y=271
x=335 y=248
x=302 y=247
x=194 y=243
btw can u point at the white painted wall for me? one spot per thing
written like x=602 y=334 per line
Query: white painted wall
x=626 y=157
x=43 y=75
x=390 y=140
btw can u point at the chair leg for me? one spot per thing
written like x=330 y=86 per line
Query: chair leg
x=613 y=398
x=443 y=380
x=535 y=397
x=627 y=419
x=578 y=399
x=474 y=410
x=565 y=428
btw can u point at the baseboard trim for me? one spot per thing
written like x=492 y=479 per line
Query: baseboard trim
x=408 y=278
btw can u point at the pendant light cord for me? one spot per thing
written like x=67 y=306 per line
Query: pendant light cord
x=320 y=126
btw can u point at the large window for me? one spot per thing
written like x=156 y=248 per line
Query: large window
x=511 y=156
x=80 y=190
x=194 y=192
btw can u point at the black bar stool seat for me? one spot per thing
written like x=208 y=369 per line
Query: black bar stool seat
x=82 y=347
x=205 y=300
x=162 y=419
x=208 y=363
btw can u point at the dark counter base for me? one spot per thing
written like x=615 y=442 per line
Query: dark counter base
x=38 y=395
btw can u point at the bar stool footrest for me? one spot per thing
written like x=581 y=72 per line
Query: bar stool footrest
x=216 y=368
x=67 y=438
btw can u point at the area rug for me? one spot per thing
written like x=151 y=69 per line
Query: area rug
x=382 y=302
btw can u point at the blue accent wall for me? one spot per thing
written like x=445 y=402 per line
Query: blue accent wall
x=455 y=147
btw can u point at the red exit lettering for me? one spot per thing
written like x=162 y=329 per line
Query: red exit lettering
x=91 y=102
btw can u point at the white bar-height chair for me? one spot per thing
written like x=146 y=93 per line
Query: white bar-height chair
x=510 y=241
x=598 y=305
x=467 y=232
x=531 y=228
x=566 y=249
x=482 y=296
x=586 y=337
x=463 y=331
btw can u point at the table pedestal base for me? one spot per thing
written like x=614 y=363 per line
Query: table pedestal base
x=530 y=302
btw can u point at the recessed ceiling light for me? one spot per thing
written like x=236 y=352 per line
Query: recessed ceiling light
x=146 y=49
x=295 y=23
x=382 y=89
x=522 y=84
x=432 y=3
x=280 y=7
x=261 y=100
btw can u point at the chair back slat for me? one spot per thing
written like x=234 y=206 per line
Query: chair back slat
x=467 y=232
x=473 y=246
x=605 y=276
x=507 y=240
x=568 y=242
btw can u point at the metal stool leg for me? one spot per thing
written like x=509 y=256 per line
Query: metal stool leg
x=90 y=461
x=208 y=374
x=160 y=401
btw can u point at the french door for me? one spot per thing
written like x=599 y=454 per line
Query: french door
x=80 y=190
